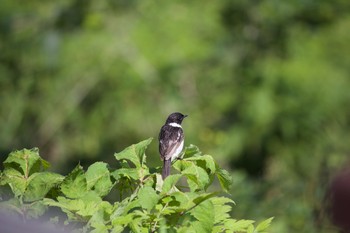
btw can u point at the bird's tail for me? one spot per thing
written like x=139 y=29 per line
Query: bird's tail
x=166 y=168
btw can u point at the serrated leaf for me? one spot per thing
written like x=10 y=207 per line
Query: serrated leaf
x=170 y=182
x=130 y=173
x=181 y=165
x=39 y=184
x=123 y=220
x=148 y=198
x=203 y=197
x=221 y=208
x=15 y=180
x=241 y=225
x=250 y=229
x=186 y=229
x=198 y=175
x=117 y=229
x=208 y=160
x=134 y=153
x=262 y=226
x=98 y=178
x=224 y=178
x=85 y=206
x=100 y=229
x=100 y=218
x=205 y=217
x=191 y=151
x=184 y=201
x=75 y=185
x=68 y=206
x=28 y=161
x=91 y=202
x=136 y=225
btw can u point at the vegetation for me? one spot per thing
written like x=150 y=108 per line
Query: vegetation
x=265 y=85
x=146 y=203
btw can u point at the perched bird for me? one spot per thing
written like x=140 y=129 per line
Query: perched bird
x=171 y=141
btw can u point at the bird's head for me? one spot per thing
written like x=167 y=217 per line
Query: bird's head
x=175 y=117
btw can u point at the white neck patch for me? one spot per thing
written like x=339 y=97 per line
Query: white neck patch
x=173 y=124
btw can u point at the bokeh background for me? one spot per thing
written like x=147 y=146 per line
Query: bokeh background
x=265 y=84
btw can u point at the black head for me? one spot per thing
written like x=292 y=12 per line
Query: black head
x=175 y=117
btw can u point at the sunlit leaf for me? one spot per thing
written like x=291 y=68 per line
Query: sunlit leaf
x=75 y=185
x=241 y=225
x=135 y=153
x=262 y=226
x=197 y=175
x=170 y=182
x=224 y=178
x=148 y=197
x=221 y=208
x=27 y=160
x=206 y=218
x=98 y=178
x=16 y=180
x=39 y=184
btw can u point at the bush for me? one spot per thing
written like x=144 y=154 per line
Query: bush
x=144 y=202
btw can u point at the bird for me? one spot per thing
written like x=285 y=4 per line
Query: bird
x=171 y=141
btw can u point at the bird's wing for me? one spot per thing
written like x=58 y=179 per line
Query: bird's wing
x=170 y=139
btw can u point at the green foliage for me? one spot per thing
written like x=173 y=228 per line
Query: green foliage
x=146 y=203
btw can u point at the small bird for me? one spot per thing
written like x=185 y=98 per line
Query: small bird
x=171 y=141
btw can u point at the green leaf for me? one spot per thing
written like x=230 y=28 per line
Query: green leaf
x=181 y=165
x=198 y=175
x=262 y=226
x=100 y=218
x=15 y=180
x=224 y=178
x=159 y=182
x=170 y=182
x=192 y=151
x=186 y=229
x=135 y=153
x=241 y=225
x=250 y=229
x=203 y=197
x=221 y=208
x=39 y=184
x=100 y=229
x=98 y=178
x=137 y=226
x=68 y=206
x=85 y=206
x=91 y=203
x=209 y=163
x=75 y=185
x=183 y=200
x=28 y=161
x=117 y=228
x=148 y=198
x=123 y=220
x=130 y=173
x=204 y=215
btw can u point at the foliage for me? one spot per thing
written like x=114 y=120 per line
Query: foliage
x=146 y=203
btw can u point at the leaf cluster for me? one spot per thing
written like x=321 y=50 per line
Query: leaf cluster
x=145 y=203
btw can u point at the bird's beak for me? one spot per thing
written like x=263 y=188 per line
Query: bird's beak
x=185 y=116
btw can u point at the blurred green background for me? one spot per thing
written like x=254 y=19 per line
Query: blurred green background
x=265 y=84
